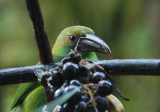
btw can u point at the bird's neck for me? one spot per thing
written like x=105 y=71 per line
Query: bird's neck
x=59 y=53
x=89 y=55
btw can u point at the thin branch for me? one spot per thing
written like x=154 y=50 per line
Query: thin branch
x=18 y=75
x=131 y=66
x=150 y=67
x=40 y=32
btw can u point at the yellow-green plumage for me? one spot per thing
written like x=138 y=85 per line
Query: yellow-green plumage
x=31 y=95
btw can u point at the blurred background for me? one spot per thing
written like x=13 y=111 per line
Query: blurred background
x=130 y=27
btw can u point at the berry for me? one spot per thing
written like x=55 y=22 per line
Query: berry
x=85 y=98
x=44 y=80
x=102 y=104
x=58 y=93
x=51 y=91
x=68 y=107
x=105 y=88
x=69 y=88
x=70 y=71
x=56 y=78
x=65 y=60
x=65 y=84
x=71 y=54
x=81 y=107
x=75 y=57
x=83 y=71
x=76 y=97
x=75 y=82
x=97 y=76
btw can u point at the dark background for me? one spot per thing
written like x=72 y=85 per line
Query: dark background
x=130 y=27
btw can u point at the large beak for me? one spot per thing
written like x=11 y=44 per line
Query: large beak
x=93 y=43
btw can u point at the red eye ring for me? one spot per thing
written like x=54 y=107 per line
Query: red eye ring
x=72 y=39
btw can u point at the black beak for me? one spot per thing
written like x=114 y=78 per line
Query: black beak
x=93 y=43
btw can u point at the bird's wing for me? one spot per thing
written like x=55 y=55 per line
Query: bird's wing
x=22 y=92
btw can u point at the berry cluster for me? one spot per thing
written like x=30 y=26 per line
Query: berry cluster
x=91 y=97
x=77 y=73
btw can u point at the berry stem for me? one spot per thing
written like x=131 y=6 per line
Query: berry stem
x=93 y=103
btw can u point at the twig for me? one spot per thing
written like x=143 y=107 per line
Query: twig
x=18 y=75
x=113 y=67
x=131 y=66
x=40 y=32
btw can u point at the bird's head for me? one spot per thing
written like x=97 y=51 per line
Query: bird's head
x=80 y=38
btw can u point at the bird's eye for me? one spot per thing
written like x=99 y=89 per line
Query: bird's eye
x=72 y=39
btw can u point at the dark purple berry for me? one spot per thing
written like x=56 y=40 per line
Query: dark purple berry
x=56 y=78
x=70 y=71
x=83 y=71
x=75 y=57
x=85 y=98
x=102 y=104
x=58 y=93
x=81 y=107
x=75 y=82
x=71 y=54
x=104 y=88
x=69 y=88
x=97 y=76
x=65 y=60
x=44 y=80
x=76 y=97
x=51 y=92
x=65 y=84
x=68 y=107
x=54 y=72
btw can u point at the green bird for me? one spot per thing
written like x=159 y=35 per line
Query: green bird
x=29 y=96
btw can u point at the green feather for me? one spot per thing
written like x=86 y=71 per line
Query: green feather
x=18 y=108
x=22 y=91
x=90 y=55
x=35 y=99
